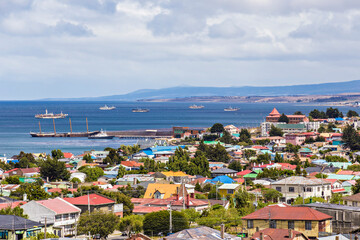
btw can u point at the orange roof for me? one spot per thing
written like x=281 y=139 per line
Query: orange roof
x=274 y=112
x=131 y=164
x=68 y=155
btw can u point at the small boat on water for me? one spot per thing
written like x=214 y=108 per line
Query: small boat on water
x=196 y=106
x=106 y=108
x=140 y=110
x=48 y=115
x=231 y=109
x=101 y=135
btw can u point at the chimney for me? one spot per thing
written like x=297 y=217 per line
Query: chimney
x=187 y=200
x=222 y=231
x=336 y=237
x=261 y=236
x=290 y=234
x=135 y=181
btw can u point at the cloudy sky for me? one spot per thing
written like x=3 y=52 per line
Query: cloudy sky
x=75 y=48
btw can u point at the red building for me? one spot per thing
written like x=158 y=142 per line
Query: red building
x=293 y=119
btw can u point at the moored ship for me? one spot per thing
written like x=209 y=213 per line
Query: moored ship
x=48 y=115
x=196 y=106
x=140 y=110
x=101 y=135
x=106 y=107
x=231 y=109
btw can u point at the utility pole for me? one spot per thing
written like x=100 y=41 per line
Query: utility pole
x=170 y=230
x=183 y=195
x=45 y=229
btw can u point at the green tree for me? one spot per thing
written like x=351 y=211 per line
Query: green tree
x=235 y=165
x=88 y=158
x=356 y=188
x=298 y=113
x=299 y=200
x=275 y=131
x=41 y=235
x=17 y=211
x=198 y=187
x=336 y=198
x=53 y=169
x=159 y=222
x=98 y=223
x=191 y=214
x=131 y=223
x=244 y=135
x=351 y=138
x=333 y=113
x=92 y=173
x=271 y=195
x=33 y=191
x=355 y=168
x=316 y=114
x=321 y=175
x=12 y=180
x=217 y=128
x=57 y=154
x=226 y=137
x=321 y=129
x=352 y=113
x=283 y=118
x=75 y=180
x=216 y=216
x=121 y=172
x=335 y=159
x=278 y=158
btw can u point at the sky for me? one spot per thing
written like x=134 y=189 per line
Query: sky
x=88 y=48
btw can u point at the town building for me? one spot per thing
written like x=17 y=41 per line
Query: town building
x=93 y=202
x=57 y=212
x=293 y=119
x=222 y=172
x=281 y=216
x=278 y=234
x=353 y=200
x=228 y=190
x=296 y=186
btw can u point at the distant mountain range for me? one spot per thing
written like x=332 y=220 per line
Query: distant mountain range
x=185 y=92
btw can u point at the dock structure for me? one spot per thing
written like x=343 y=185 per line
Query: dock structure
x=142 y=134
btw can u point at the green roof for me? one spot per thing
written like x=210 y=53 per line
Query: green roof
x=283 y=126
x=342 y=165
x=213 y=142
x=340 y=177
x=250 y=175
x=305 y=150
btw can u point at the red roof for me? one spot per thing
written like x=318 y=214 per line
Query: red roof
x=30 y=170
x=286 y=212
x=147 y=209
x=59 y=206
x=12 y=204
x=95 y=199
x=68 y=155
x=278 y=234
x=243 y=173
x=274 y=112
x=260 y=147
x=11 y=170
x=345 y=172
x=239 y=180
x=338 y=190
x=131 y=164
x=332 y=181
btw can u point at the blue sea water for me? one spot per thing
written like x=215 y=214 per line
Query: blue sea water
x=17 y=120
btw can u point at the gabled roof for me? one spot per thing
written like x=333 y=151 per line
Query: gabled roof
x=355 y=198
x=17 y=223
x=30 y=170
x=298 y=180
x=175 y=174
x=131 y=164
x=94 y=199
x=286 y=212
x=201 y=233
x=222 y=179
x=167 y=189
x=244 y=172
x=68 y=155
x=59 y=206
x=278 y=234
x=224 y=171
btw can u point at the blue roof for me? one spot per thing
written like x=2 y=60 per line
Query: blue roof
x=222 y=179
x=152 y=150
x=319 y=161
x=339 y=119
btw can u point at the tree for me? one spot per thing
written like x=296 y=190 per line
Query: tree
x=53 y=169
x=356 y=188
x=336 y=198
x=352 y=113
x=226 y=137
x=88 y=158
x=121 y=172
x=244 y=135
x=283 y=118
x=298 y=113
x=131 y=223
x=191 y=214
x=321 y=129
x=198 y=187
x=17 y=211
x=335 y=159
x=98 y=223
x=299 y=200
x=235 y=165
x=278 y=158
x=275 y=131
x=298 y=170
x=333 y=112
x=316 y=114
x=12 y=180
x=75 y=180
x=271 y=195
x=321 y=175
x=57 y=154
x=33 y=191
x=217 y=128
x=218 y=215
x=158 y=222
x=351 y=138
x=92 y=173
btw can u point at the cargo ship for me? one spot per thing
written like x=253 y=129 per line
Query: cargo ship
x=196 y=106
x=140 y=110
x=231 y=109
x=107 y=108
x=48 y=115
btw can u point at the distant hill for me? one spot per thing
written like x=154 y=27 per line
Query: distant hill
x=181 y=92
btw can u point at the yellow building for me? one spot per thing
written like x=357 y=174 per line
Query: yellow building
x=161 y=191
x=281 y=216
x=228 y=189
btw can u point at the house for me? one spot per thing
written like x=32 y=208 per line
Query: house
x=220 y=179
x=57 y=211
x=182 y=132
x=20 y=228
x=223 y=171
x=26 y=172
x=353 y=200
x=345 y=218
x=278 y=234
x=161 y=191
x=201 y=233
x=281 y=216
x=293 y=119
x=131 y=165
x=79 y=175
x=177 y=177
x=93 y=202
x=228 y=189
x=296 y=186
x=295 y=138
x=232 y=129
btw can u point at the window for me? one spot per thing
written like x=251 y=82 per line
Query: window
x=272 y=224
x=354 y=204
x=250 y=224
x=72 y=215
x=318 y=189
x=278 y=189
x=309 y=189
x=66 y=216
x=230 y=191
x=291 y=189
x=291 y=225
x=57 y=218
x=308 y=225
